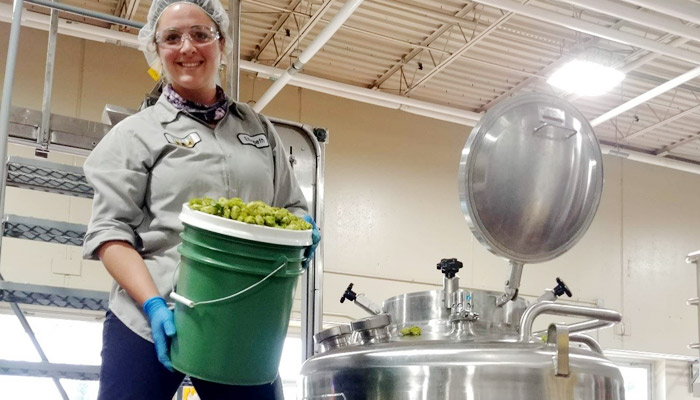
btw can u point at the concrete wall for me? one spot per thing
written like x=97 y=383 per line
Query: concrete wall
x=392 y=209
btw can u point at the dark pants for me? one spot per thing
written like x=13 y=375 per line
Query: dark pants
x=131 y=370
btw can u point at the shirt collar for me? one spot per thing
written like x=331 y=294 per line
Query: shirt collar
x=167 y=112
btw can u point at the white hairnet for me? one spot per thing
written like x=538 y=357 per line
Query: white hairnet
x=147 y=34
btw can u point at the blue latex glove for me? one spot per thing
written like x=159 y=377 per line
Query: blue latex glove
x=162 y=327
x=315 y=238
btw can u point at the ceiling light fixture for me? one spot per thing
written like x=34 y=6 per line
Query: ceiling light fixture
x=586 y=78
x=590 y=74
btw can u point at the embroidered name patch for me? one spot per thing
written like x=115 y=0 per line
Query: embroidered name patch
x=259 y=140
x=188 y=141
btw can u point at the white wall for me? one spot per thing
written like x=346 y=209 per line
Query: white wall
x=392 y=208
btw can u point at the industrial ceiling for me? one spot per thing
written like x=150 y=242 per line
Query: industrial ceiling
x=471 y=55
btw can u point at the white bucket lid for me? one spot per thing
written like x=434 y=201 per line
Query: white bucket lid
x=242 y=230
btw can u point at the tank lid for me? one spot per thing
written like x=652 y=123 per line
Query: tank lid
x=373 y=322
x=338 y=330
x=530 y=178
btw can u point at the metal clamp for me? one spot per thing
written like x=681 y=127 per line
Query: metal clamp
x=602 y=318
x=558 y=335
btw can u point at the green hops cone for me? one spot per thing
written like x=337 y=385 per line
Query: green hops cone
x=255 y=212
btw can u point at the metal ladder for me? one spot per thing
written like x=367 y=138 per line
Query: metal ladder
x=61 y=179
x=694 y=258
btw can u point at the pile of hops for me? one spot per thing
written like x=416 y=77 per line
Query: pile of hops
x=411 y=331
x=255 y=212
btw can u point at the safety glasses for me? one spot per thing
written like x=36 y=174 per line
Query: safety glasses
x=198 y=35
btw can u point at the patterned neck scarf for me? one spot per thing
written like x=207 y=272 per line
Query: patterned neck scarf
x=210 y=114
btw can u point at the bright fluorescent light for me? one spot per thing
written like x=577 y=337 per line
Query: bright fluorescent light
x=586 y=78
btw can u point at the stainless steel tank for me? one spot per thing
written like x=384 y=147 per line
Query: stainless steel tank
x=530 y=183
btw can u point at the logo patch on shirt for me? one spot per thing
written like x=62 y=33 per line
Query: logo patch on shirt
x=188 y=141
x=259 y=140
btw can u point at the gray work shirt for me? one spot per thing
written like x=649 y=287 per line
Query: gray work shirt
x=152 y=162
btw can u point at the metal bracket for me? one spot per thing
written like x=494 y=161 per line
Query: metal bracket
x=558 y=335
x=512 y=284
x=694 y=372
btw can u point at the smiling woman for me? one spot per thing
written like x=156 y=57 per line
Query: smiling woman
x=190 y=144
x=190 y=60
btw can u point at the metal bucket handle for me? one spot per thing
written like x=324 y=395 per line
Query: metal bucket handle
x=601 y=317
x=191 y=304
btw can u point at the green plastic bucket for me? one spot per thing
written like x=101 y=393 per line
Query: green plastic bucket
x=234 y=297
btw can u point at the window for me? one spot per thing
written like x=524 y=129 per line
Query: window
x=63 y=341
x=79 y=342
x=637 y=378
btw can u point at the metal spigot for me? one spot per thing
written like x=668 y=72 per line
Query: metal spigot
x=462 y=318
x=558 y=291
x=462 y=309
x=361 y=301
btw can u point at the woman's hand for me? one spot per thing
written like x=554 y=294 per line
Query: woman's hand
x=315 y=238
x=162 y=327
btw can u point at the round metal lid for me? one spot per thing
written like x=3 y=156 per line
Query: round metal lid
x=373 y=322
x=331 y=332
x=530 y=178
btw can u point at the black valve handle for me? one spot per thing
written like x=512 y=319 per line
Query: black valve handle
x=449 y=267
x=349 y=294
x=561 y=288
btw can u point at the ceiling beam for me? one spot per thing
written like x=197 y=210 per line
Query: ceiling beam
x=129 y=8
x=590 y=28
x=683 y=9
x=666 y=150
x=305 y=30
x=659 y=124
x=425 y=43
x=662 y=23
x=457 y=54
x=274 y=30
x=693 y=73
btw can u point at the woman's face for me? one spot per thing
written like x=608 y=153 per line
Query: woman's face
x=191 y=67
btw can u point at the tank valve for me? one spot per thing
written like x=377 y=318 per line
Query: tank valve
x=361 y=301
x=450 y=282
x=558 y=291
x=462 y=318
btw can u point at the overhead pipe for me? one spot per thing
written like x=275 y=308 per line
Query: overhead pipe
x=650 y=159
x=590 y=28
x=77 y=29
x=375 y=97
x=682 y=9
x=87 y=13
x=679 y=80
x=323 y=37
x=661 y=22
x=659 y=124
x=303 y=31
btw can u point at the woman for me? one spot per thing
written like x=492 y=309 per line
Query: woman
x=193 y=142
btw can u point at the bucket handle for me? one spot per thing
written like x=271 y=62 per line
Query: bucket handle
x=191 y=304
